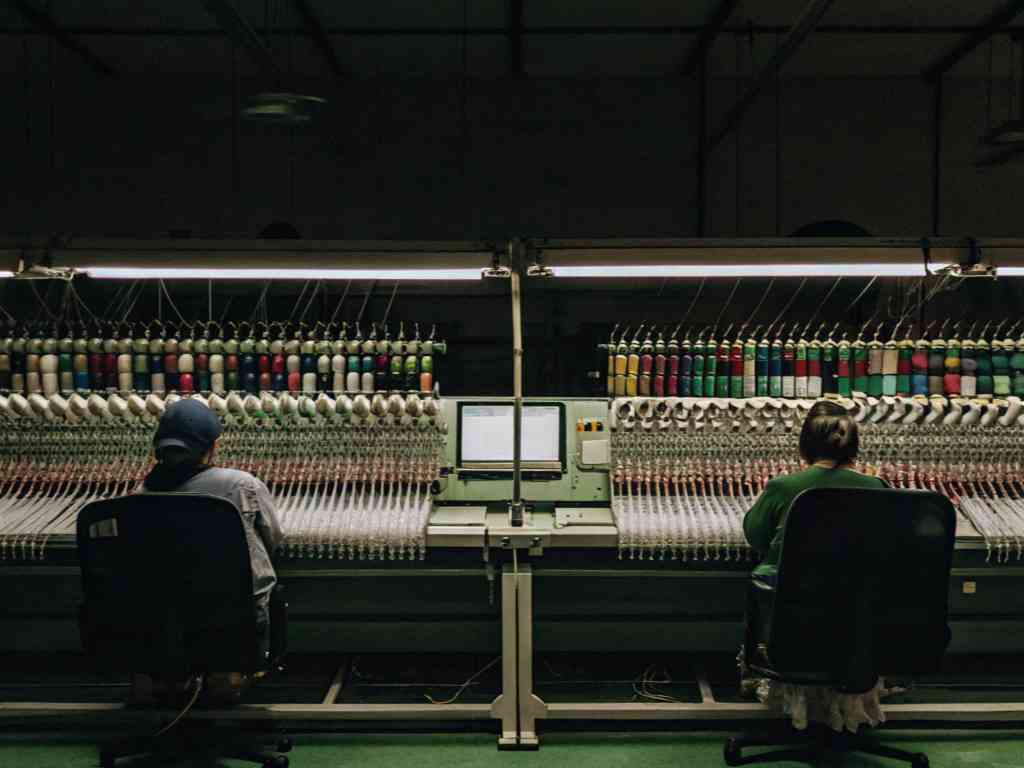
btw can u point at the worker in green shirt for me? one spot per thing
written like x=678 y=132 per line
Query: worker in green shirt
x=828 y=444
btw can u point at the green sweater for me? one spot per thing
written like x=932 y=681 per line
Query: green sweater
x=765 y=522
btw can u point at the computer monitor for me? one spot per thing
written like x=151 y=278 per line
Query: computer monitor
x=485 y=438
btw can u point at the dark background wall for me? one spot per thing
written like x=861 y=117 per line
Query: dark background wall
x=439 y=136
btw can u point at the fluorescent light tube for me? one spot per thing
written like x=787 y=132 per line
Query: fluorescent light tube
x=212 y=273
x=1009 y=271
x=915 y=269
x=6 y=273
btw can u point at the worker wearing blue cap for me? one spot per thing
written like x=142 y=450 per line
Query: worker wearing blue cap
x=185 y=446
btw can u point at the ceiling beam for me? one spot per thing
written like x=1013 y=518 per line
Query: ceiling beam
x=313 y=26
x=515 y=37
x=238 y=29
x=995 y=22
x=708 y=35
x=802 y=28
x=43 y=22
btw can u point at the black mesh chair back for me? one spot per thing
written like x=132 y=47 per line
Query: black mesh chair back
x=168 y=586
x=862 y=587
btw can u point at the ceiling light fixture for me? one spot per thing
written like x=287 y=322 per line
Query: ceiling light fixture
x=211 y=273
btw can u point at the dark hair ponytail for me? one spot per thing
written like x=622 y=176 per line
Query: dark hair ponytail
x=829 y=433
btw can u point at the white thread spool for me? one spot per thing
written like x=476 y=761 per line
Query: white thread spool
x=352 y=382
x=217 y=383
x=268 y=403
x=217 y=365
x=235 y=404
x=98 y=406
x=338 y=382
x=293 y=363
x=251 y=405
x=136 y=405
x=378 y=405
x=186 y=363
x=309 y=382
x=288 y=404
x=361 y=406
x=155 y=405
x=158 y=383
x=1013 y=406
x=323 y=364
x=325 y=406
x=20 y=406
x=338 y=365
x=307 y=406
x=39 y=405
x=117 y=406
x=414 y=406
x=343 y=406
x=79 y=406
x=431 y=406
x=367 y=384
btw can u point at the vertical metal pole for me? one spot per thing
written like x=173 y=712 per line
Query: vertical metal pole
x=936 y=154
x=516 y=264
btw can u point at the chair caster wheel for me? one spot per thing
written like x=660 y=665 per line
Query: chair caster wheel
x=284 y=745
x=732 y=752
x=279 y=761
x=920 y=760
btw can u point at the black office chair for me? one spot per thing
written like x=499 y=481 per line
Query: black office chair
x=861 y=592
x=168 y=592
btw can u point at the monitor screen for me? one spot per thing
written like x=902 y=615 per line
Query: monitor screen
x=485 y=434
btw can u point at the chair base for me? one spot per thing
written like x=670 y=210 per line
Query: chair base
x=190 y=742
x=813 y=746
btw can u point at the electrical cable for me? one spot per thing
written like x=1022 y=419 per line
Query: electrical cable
x=261 y=301
x=461 y=689
x=312 y=297
x=198 y=681
x=758 y=307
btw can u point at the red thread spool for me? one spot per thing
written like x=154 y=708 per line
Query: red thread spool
x=277 y=364
x=264 y=363
x=185 y=383
x=294 y=381
x=231 y=362
x=264 y=381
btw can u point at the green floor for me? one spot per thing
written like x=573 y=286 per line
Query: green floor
x=606 y=750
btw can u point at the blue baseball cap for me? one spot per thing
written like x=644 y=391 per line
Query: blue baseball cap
x=187 y=424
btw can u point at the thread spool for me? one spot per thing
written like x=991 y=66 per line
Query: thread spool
x=673 y=366
x=936 y=367
x=775 y=352
x=343 y=405
x=829 y=367
x=367 y=382
x=660 y=363
x=968 y=369
x=1001 y=386
x=814 y=378
x=697 y=378
x=876 y=369
x=723 y=369
x=361 y=405
x=844 y=368
x=983 y=356
x=859 y=365
x=789 y=369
